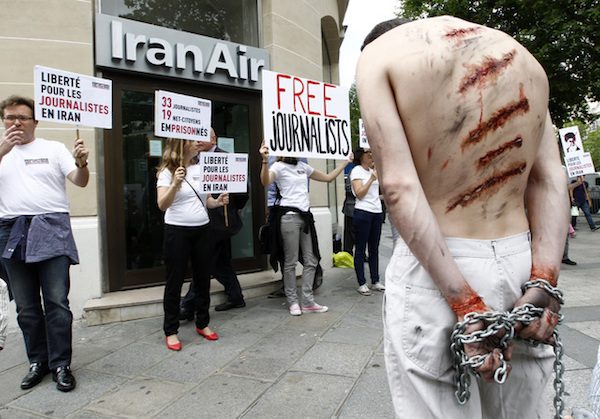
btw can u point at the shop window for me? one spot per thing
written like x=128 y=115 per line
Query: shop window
x=229 y=20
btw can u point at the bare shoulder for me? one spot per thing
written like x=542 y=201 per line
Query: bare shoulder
x=472 y=102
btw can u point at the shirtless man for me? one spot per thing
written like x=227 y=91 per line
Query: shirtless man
x=457 y=119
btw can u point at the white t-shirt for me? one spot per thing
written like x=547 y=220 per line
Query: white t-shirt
x=186 y=209
x=32 y=179
x=370 y=202
x=292 y=181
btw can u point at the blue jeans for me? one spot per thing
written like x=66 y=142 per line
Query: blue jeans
x=367 y=232
x=48 y=332
x=586 y=211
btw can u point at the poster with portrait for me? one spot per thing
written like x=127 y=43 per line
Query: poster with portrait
x=571 y=141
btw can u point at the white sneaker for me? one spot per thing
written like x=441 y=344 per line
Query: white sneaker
x=378 y=286
x=295 y=310
x=364 y=290
x=315 y=308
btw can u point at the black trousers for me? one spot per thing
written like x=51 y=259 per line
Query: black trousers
x=183 y=245
x=222 y=270
x=348 y=245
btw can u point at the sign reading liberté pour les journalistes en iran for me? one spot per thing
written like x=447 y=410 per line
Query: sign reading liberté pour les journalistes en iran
x=305 y=118
x=223 y=172
x=71 y=98
x=180 y=116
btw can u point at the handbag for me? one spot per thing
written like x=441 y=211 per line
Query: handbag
x=574 y=211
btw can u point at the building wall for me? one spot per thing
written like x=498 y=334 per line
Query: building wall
x=293 y=34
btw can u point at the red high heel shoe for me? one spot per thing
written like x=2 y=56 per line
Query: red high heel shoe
x=211 y=336
x=173 y=347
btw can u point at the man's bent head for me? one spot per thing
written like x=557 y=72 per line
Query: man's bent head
x=382 y=28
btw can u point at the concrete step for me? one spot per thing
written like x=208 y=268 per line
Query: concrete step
x=148 y=302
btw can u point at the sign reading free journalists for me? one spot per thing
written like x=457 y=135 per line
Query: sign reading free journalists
x=305 y=118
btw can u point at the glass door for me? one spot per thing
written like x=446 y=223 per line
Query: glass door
x=134 y=232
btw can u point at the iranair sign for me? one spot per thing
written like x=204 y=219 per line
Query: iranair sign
x=134 y=46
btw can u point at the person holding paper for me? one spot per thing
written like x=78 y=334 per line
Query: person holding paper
x=36 y=241
x=221 y=234
x=367 y=219
x=186 y=237
x=294 y=225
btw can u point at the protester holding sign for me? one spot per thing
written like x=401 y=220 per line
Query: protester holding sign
x=367 y=219
x=222 y=232
x=581 y=198
x=36 y=241
x=294 y=225
x=187 y=235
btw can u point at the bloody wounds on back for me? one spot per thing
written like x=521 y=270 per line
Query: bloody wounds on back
x=498 y=119
x=488 y=70
x=457 y=35
x=492 y=154
x=487 y=187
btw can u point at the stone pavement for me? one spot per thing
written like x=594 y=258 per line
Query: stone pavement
x=268 y=364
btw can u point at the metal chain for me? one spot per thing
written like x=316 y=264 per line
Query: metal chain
x=495 y=322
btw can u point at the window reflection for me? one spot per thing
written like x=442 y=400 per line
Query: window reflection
x=230 y=20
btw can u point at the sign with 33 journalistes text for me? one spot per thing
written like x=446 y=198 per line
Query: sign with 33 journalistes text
x=71 y=98
x=180 y=116
x=305 y=118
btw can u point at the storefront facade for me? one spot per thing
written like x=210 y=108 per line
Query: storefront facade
x=210 y=49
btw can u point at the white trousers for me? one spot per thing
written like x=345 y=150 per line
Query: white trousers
x=418 y=323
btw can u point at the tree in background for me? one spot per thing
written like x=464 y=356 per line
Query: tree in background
x=563 y=35
x=591 y=143
x=354 y=115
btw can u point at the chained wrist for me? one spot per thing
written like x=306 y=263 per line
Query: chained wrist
x=473 y=303
x=545 y=285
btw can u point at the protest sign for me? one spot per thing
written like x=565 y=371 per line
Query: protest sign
x=72 y=98
x=571 y=141
x=223 y=172
x=579 y=164
x=305 y=118
x=363 y=142
x=180 y=116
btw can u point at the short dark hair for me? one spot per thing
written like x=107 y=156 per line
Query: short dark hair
x=16 y=100
x=358 y=153
x=382 y=28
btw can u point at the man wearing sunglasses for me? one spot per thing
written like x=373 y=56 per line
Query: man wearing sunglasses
x=36 y=241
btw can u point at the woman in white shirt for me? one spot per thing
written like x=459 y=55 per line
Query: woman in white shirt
x=296 y=224
x=186 y=236
x=367 y=220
